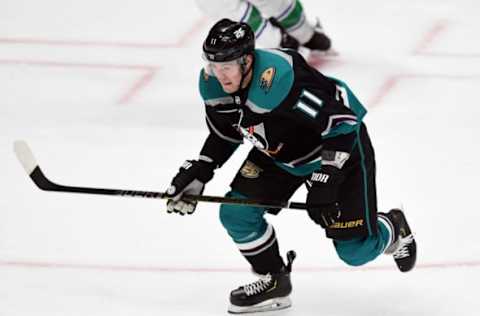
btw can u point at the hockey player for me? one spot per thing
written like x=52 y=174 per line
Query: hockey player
x=276 y=23
x=305 y=128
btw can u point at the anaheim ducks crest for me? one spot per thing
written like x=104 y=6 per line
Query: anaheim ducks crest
x=250 y=170
x=266 y=79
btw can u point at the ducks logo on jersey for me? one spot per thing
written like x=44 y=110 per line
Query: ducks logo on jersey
x=266 y=79
x=250 y=170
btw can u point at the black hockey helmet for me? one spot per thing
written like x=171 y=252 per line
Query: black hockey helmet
x=228 y=40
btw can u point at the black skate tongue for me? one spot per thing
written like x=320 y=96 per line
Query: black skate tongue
x=291 y=255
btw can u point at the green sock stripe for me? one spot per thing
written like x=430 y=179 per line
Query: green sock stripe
x=293 y=17
x=254 y=19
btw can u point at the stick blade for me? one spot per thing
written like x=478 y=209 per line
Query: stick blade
x=25 y=156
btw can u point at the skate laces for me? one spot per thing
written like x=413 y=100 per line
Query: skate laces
x=402 y=250
x=258 y=286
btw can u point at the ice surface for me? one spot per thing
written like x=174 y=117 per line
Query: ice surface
x=105 y=92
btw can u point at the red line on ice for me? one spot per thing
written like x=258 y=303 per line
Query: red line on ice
x=145 y=79
x=197 y=26
x=46 y=63
x=51 y=42
x=146 y=268
x=391 y=82
x=450 y=55
x=386 y=87
x=437 y=28
x=139 y=84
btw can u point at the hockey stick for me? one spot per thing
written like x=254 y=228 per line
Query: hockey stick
x=26 y=158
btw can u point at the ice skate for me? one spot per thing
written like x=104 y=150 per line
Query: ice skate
x=287 y=41
x=271 y=292
x=320 y=44
x=403 y=248
x=318 y=49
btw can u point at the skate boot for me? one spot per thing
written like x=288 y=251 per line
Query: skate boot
x=403 y=247
x=320 y=42
x=287 y=40
x=269 y=293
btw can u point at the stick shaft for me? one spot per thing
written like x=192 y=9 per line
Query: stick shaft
x=45 y=184
x=28 y=161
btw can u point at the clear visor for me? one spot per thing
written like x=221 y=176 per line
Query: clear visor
x=212 y=67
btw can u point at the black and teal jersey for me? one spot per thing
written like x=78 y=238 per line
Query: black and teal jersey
x=289 y=111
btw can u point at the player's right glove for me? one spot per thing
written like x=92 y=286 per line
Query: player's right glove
x=190 y=179
x=322 y=203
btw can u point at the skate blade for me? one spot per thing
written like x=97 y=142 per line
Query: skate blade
x=266 y=306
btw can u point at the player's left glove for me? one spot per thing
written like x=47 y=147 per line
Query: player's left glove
x=322 y=203
x=190 y=179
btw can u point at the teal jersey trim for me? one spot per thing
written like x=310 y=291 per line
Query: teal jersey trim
x=349 y=125
x=352 y=101
x=272 y=80
x=365 y=187
x=342 y=129
x=300 y=171
x=211 y=90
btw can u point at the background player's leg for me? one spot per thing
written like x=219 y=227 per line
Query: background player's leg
x=291 y=16
x=267 y=36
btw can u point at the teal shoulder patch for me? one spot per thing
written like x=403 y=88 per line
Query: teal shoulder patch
x=350 y=99
x=210 y=89
x=272 y=80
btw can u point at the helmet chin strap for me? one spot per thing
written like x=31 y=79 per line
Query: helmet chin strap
x=244 y=70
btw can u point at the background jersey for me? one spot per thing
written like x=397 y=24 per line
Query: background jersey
x=289 y=111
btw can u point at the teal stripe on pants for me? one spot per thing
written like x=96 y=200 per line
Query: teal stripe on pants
x=243 y=223
x=357 y=252
x=365 y=181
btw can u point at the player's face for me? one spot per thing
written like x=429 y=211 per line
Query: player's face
x=228 y=74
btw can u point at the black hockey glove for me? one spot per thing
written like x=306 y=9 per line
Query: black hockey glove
x=190 y=179
x=322 y=203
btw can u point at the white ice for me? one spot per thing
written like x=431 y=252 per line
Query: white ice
x=105 y=93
